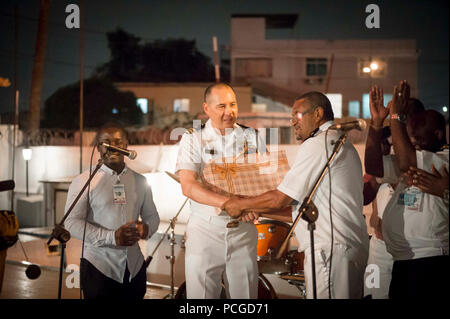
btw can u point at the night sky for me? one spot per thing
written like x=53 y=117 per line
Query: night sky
x=425 y=21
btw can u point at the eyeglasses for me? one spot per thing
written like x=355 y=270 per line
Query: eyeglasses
x=299 y=116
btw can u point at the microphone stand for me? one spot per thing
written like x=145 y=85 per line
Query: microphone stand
x=308 y=211
x=61 y=234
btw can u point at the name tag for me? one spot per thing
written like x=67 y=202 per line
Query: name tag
x=411 y=198
x=119 y=194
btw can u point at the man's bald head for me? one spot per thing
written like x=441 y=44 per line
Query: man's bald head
x=215 y=85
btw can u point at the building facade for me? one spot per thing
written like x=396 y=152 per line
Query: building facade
x=343 y=69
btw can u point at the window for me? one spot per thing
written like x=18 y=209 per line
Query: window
x=336 y=103
x=143 y=105
x=366 y=106
x=181 y=105
x=269 y=134
x=354 y=108
x=316 y=66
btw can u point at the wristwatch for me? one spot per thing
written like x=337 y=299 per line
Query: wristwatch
x=399 y=117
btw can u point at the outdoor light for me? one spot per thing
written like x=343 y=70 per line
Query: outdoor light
x=374 y=66
x=445 y=109
x=366 y=69
x=27 y=153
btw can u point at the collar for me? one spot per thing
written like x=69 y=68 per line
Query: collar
x=325 y=126
x=211 y=128
x=110 y=171
x=320 y=129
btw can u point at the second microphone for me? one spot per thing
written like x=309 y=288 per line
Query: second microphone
x=128 y=153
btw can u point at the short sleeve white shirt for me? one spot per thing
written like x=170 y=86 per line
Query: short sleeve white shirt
x=203 y=145
x=418 y=227
x=346 y=192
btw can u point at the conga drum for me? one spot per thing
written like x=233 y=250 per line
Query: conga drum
x=271 y=234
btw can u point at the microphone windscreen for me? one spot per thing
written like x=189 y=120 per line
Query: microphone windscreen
x=33 y=272
x=7 y=185
x=362 y=124
x=132 y=155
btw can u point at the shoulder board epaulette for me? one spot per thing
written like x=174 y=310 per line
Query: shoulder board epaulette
x=243 y=126
x=192 y=129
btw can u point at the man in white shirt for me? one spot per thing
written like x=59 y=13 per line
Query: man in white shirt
x=214 y=251
x=415 y=224
x=341 y=240
x=378 y=144
x=106 y=219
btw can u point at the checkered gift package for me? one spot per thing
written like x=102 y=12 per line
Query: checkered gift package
x=248 y=174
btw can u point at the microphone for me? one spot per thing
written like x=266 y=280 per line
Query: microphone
x=359 y=124
x=7 y=185
x=130 y=154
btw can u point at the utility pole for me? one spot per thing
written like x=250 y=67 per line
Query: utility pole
x=216 y=60
x=81 y=83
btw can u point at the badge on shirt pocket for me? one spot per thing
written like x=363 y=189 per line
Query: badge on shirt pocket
x=119 y=194
x=411 y=198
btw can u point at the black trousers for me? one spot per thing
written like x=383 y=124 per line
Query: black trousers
x=420 y=278
x=96 y=285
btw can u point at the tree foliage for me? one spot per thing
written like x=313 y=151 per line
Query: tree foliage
x=101 y=97
x=172 y=60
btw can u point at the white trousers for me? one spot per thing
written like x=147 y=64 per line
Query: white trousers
x=377 y=284
x=347 y=272
x=213 y=252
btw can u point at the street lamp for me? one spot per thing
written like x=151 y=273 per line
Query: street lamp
x=27 y=153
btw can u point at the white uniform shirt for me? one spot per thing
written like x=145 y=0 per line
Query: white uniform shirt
x=384 y=195
x=105 y=217
x=419 y=229
x=346 y=189
x=202 y=145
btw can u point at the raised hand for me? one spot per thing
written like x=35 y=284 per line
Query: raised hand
x=376 y=103
x=400 y=98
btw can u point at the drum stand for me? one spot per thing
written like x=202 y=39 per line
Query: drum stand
x=171 y=295
x=173 y=221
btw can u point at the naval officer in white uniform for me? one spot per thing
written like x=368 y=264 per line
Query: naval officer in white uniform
x=213 y=251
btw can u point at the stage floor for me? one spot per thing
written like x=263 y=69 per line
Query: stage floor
x=16 y=285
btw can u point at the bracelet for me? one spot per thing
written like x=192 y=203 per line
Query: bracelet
x=376 y=128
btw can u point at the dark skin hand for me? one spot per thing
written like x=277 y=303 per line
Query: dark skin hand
x=404 y=150
x=373 y=158
x=130 y=233
x=432 y=183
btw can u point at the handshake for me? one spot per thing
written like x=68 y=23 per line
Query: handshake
x=130 y=233
x=235 y=208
